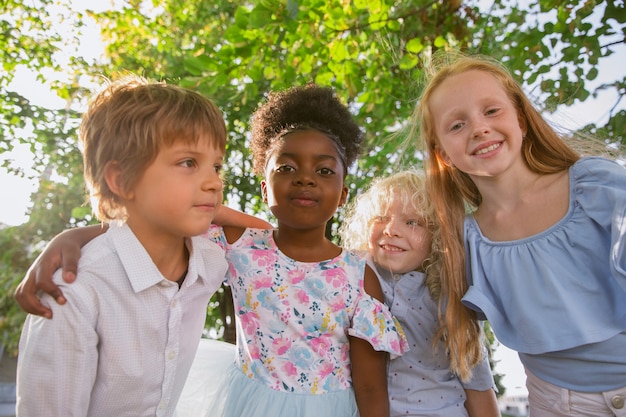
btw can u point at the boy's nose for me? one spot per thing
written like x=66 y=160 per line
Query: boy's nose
x=212 y=181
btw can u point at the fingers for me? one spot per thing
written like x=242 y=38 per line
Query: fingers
x=69 y=264
x=26 y=296
x=43 y=279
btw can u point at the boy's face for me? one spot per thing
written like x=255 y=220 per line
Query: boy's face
x=399 y=240
x=178 y=193
x=304 y=180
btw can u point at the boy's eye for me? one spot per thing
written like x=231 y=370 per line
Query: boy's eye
x=188 y=163
x=492 y=111
x=381 y=219
x=326 y=171
x=218 y=168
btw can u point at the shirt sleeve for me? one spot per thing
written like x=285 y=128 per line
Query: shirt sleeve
x=601 y=191
x=57 y=361
x=374 y=323
x=482 y=378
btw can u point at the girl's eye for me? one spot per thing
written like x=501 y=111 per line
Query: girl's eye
x=285 y=168
x=416 y=223
x=381 y=219
x=218 y=168
x=456 y=126
x=326 y=171
x=492 y=111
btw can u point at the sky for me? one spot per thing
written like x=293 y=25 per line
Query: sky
x=16 y=191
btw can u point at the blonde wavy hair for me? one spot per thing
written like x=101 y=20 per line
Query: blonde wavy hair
x=409 y=188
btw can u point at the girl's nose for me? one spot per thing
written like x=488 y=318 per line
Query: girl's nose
x=391 y=228
x=481 y=129
x=304 y=178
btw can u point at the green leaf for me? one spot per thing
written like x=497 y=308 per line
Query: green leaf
x=440 y=42
x=415 y=45
x=260 y=17
x=408 y=61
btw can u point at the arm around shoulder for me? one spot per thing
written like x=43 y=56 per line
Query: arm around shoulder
x=226 y=216
x=63 y=251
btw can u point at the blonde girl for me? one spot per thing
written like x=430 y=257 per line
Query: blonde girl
x=395 y=223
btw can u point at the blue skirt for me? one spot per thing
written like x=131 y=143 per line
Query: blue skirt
x=217 y=388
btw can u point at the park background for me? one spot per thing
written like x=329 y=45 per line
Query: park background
x=569 y=55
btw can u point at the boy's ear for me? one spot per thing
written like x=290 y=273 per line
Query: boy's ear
x=264 y=191
x=113 y=178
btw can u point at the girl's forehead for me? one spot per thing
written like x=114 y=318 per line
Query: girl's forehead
x=306 y=143
x=472 y=83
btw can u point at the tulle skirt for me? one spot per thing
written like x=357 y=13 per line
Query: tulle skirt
x=207 y=376
x=217 y=388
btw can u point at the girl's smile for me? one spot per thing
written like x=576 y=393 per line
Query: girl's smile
x=475 y=123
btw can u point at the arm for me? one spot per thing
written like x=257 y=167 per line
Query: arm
x=58 y=361
x=62 y=252
x=481 y=403
x=226 y=216
x=369 y=367
x=234 y=222
x=369 y=378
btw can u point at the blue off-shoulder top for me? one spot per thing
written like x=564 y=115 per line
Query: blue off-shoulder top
x=559 y=297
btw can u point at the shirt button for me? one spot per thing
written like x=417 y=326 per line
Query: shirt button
x=618 y=402
x=171 y=355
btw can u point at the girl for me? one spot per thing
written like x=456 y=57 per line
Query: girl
x=544 y=255
x=395 y=222
x=313 y=334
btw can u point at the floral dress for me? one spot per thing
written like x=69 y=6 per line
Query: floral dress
x=293 y=323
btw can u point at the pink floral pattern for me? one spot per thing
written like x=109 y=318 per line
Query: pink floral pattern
x=295 y=317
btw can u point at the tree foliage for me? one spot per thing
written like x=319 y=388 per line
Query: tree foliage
x=372 y=52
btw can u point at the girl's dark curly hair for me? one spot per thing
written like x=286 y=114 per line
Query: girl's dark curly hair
x=300 y=108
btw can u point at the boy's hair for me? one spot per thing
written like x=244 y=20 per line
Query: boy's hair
x=129 y=122
x=303 y=108
x=409 y=188
x=453 y=191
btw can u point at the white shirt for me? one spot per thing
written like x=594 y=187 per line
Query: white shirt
x=124 y=342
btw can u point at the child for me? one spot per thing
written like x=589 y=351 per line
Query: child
x=124 y=343
x=312 y=336
x=545 y=249
x=395 y=222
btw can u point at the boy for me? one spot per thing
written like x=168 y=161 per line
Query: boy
x=124 y=342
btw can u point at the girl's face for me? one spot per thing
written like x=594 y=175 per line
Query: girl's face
x=478 y=128
x=398 y=240
x=304 y=180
